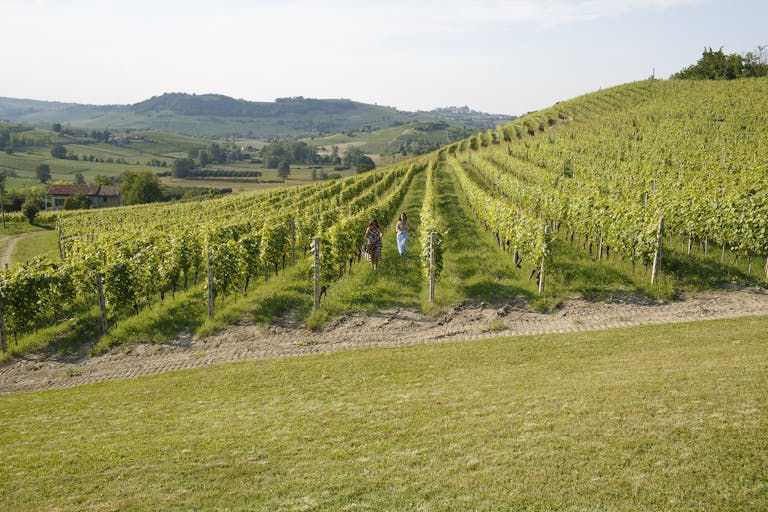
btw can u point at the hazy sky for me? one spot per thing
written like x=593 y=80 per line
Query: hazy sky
x=496 y=56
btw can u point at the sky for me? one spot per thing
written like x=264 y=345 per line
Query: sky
x=502 y=57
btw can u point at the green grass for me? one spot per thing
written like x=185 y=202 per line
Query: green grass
x=669 y=417
x=289 y=291
x=67 y=336
x=475 y=268
x=41 y=243
x=398 y=280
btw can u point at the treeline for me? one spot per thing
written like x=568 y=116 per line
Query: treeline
x=60 y=151
x=96 y=135
x=13 y=136
x=279 y=154
x=210 y=173
x=716 y=65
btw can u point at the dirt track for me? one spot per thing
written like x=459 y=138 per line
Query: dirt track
x=7 y=245
x=388 y=328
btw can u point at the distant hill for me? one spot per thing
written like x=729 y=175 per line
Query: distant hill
x=216 y=115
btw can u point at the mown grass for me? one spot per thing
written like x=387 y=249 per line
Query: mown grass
x=670 y=417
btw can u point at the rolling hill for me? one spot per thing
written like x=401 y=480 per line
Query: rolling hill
x=215 y=115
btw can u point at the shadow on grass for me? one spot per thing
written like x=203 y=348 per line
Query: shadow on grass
x=158 y=324
x=484 y=272
x=583 y=275
x=271 y=308
x=699 y=272
x=62 y=341
x=489 y=290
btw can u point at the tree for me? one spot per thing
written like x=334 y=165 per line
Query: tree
x=271 y=161
x=716 y=65
x=104 y=180
x=31 y=208
x=43 y=173
x=216 y=154
x=365 y=164
x=352 y=157
x=79 y=179
x=140 y=187
x=335 y=159
x=59 y=151
x=284 y=169
x=56 y=127
x=204 y=158
x=295 y=152
x=77 y=201
x=182 y=167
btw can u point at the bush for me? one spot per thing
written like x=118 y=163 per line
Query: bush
x=59 y=151
x=31 y=208
x=77 y=201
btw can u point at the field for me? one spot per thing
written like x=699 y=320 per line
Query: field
x=112 y=160
x=668 y=417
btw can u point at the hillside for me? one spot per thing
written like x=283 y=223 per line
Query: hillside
x=215 y=115
x=562 y=203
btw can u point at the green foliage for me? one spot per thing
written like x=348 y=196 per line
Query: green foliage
x=716 y=65
x=104 y=180
x=32 y=207
x=284 y=169
x=59 y=151
x=140 y=187
x=356 y=158
x=291 y=151
x=182 y=167
x=43 y=173
x=77 y=201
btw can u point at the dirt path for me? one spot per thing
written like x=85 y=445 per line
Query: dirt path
x=7 y=245
x=388 y=328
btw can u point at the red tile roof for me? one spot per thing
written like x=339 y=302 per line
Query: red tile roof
x=89 y=190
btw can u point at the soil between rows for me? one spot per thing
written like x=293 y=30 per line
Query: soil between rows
x=392 y=327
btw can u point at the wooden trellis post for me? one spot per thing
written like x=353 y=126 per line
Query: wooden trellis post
x=210 y=289
x=432 y=267
x=316 y=254
x=3 y=338
x=102 y=303
x=543 y=269
x=657 y=254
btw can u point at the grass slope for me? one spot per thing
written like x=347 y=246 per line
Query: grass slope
x=667 y=417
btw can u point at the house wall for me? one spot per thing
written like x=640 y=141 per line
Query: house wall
x=57 y=202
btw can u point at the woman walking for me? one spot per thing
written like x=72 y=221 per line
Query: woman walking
x=403 y=228
x=372 y=244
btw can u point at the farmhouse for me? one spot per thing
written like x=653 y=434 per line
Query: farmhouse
x=100 y=196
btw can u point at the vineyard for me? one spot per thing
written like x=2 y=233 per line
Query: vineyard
x=659 y=185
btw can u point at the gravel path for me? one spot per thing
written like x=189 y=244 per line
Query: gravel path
x=387 y=328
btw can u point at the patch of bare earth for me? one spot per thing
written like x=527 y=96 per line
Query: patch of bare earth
x=358 y=330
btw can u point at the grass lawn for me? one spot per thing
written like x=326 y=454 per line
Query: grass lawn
x=671 y=417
